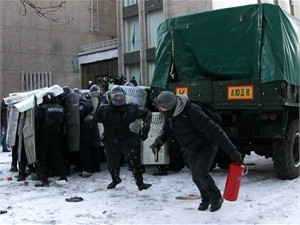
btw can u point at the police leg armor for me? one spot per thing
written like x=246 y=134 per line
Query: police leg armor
x=115 y=176
x=137 y=173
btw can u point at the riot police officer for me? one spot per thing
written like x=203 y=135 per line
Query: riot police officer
x=116 y=117
x=50 y=128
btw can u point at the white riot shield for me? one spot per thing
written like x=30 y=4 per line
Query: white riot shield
x=138 y=96
x=40 y=93
x=29 y=135
x=12 y=126
x=95 y=102
x=147 y=156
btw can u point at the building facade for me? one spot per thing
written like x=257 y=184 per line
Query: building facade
x=37 y=52
x=90 y=39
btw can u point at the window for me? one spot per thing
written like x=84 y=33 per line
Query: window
x=132 y=35
x=134 y=71
x=267 y=1
x=296 y=8
x=153 y=21
x=217 y=4
x=35 y=80
x=94 y=15
x=129 y=2
x=151 y=66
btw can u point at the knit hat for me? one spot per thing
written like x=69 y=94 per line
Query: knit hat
x=166 y=99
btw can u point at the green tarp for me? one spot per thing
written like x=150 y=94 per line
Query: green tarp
x=258 y=41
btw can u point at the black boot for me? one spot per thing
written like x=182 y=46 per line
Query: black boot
x=115 y=178
x=216 y=204
x=43 y=183
x=144 y=186
x=13 y=168
x=203 y=205
x=21 y=177
x=137 y=173
x=14 y=163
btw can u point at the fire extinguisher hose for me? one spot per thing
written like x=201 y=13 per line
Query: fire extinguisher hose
x=246 y=170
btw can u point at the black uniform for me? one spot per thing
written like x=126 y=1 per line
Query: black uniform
x=86 y=140
x=50 y=128
x=4 y=126
x=120 y=139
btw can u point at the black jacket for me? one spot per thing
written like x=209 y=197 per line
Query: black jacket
x=50 y=118
x=194 y=129
x=116 y=119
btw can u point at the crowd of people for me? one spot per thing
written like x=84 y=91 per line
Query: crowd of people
x=105 y=135
x=105 y=82
x=53 y=157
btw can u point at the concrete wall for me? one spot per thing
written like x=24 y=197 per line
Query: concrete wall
x=32 y=43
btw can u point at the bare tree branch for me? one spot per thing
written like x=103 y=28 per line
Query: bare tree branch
x=42 y=11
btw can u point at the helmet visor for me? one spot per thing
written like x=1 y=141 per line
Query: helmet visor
x=118 y=98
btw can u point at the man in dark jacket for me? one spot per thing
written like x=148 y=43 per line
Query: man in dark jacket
x=50 y=129
x=200 y=137
x=116 y=118
x=133 y=81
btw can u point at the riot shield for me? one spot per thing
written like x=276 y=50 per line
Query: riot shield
x=29 y=135
x=72 y=121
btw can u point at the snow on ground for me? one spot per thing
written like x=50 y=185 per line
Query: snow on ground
x=263 y=199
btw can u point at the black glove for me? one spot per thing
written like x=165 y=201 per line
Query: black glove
x=236 y=157
x=144 y=136
x=156 y=145
x=88 y=120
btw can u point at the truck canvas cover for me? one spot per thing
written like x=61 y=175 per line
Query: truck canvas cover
x=258 y=41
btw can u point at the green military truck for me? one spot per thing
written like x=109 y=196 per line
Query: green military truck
x=246 y=61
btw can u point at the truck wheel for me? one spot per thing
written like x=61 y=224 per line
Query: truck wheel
x=286 y=153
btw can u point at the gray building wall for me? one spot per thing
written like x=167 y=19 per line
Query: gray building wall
x=32 y=43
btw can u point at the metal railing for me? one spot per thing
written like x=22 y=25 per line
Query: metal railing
x=100 y=46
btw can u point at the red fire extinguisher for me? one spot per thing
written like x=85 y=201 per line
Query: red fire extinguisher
x=233 y=181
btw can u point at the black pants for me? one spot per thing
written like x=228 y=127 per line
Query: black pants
x=127 y=147
x=85 y=154
x=14 y=154
x=200 y=162
x=114 y=151
x=49 y=149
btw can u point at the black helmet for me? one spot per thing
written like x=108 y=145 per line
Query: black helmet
x=117 y=96
x=94 y=90
x=86 y=95
x=49 y=97
x=77 y=91
x=67 y=90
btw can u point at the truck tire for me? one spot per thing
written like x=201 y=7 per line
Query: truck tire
x=286 y=153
